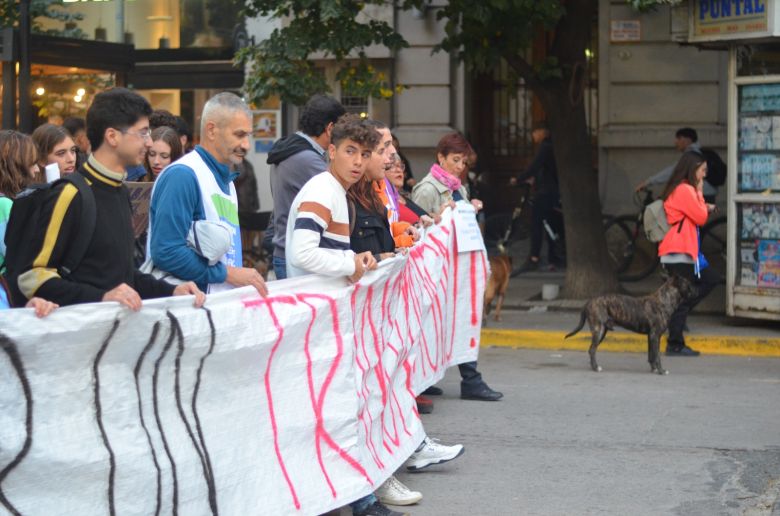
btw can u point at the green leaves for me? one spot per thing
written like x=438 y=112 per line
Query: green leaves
x=480 y=33
x=333 y=29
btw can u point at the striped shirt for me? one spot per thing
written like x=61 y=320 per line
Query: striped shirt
x=318 y=230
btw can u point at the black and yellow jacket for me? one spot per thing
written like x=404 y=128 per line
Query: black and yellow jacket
x=108 y=261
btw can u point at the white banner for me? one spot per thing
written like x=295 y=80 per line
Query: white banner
x=293 y=404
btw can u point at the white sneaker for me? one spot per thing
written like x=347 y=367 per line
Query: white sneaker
x=430 y=453
x=394 y=492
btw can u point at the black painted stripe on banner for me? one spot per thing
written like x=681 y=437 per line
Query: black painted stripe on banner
x=212 y=484
x=136 y=372
x=10 y=349
x=99 y=417
x=180 y=351
x=155 y=378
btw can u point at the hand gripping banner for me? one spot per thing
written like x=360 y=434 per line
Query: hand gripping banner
x=293 y=404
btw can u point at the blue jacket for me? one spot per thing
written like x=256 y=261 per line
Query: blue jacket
x=176 y=203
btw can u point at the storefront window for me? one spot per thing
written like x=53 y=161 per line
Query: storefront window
x=150 y=24
x=759 y=245
x=759 y=138
x=761 y=59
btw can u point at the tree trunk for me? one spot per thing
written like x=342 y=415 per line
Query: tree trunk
x=588 y=271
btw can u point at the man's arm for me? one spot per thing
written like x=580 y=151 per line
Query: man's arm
x=40 y=278
x=304 y=252
x=174 y=205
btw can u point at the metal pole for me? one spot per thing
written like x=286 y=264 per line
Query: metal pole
x=9 y=95
x=25 y=83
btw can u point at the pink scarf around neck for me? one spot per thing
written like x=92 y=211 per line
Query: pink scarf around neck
x=445 y=178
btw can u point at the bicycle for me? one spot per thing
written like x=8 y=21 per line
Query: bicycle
x=503 y=230
x=635 y=257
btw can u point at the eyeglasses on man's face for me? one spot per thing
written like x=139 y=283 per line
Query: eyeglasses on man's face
x=143 y=133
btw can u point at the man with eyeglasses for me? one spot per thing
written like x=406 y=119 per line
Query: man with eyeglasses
x=118 y=130
x=199 y=186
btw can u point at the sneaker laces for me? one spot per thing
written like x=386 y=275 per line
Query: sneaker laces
x=394 y=483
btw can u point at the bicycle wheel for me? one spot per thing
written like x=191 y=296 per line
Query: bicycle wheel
x=713 y=246
x=645 y=253
x=620 y=244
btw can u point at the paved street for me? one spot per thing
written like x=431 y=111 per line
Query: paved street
x=704 y=440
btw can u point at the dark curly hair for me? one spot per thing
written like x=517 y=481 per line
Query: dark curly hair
x=318 y=112
x=162 y=118
x=353 y=127
x=119 y=108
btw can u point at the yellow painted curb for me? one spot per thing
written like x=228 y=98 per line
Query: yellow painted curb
x=629 y=342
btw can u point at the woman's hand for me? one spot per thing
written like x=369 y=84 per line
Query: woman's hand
x=445 y=205
x=426 y=221
x=412 y=232
x=477 y=204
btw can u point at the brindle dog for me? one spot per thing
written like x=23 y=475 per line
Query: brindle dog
x=648 y=314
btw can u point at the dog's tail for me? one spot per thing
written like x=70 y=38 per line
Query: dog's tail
x=579 y=326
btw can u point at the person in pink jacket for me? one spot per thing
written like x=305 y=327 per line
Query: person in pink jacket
x=679 y=251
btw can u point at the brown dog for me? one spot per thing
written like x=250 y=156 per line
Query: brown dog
x=649 y=315
x=500 y=269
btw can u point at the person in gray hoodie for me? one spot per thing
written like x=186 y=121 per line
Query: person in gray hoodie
x=296 y=159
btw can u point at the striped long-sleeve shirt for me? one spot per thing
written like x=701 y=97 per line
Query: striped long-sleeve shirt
x=318 y=230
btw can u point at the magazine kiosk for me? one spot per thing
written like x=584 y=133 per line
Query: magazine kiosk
x=750 y=29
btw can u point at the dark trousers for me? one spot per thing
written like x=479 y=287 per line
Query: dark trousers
x=544 y=209
x=704 y=285
x=471 y=379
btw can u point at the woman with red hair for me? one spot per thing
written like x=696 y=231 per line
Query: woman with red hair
x=438 y=190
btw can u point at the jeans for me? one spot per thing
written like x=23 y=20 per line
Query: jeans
x=280 y=267
x=704 y=286
x=471 y=379
x=544 y=209
x=363 y=503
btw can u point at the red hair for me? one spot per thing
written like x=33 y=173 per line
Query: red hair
x=455 y=143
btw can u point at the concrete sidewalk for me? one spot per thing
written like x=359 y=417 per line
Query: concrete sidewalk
x=530 y=322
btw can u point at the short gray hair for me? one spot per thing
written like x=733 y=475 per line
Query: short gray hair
x=219 y=107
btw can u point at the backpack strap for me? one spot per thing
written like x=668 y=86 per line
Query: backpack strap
x=79 y=245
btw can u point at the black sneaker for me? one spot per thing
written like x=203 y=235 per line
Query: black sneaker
x=681 y=351
x=377 y=509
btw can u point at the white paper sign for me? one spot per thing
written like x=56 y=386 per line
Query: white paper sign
x=297 y=403
x=466 y=228
x=52 y=172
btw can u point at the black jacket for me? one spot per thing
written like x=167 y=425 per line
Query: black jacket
x=370 y=231
x=108 y=261
x=543 y=169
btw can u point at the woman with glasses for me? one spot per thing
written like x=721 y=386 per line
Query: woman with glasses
x=408 y=211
